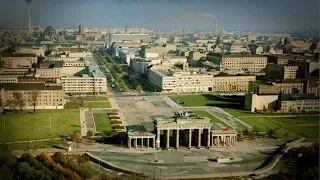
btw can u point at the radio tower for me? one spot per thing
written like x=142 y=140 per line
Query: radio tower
x=29 y=16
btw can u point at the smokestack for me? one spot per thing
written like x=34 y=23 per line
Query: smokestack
x=29 y=15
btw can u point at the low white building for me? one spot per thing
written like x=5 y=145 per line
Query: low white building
x=19 y=60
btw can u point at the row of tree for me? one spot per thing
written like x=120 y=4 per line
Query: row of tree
x=19 y=101
x=114 y=74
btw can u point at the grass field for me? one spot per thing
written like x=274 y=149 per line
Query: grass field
x=26 y=125
x=95 y=99
x=203 y=100
x=213 y=118
x=102 y=122
x=35 y=145
x=91 y=104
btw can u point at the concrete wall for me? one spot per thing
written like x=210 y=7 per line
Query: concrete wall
x=254 y=101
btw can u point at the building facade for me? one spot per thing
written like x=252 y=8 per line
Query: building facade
x=249 y=63
x=19 y=60
x=297 y=103
x=228 y=83
x=49 y=96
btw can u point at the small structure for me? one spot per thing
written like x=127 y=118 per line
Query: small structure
x=139 y=137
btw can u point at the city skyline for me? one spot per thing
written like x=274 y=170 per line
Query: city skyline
x=165 y=15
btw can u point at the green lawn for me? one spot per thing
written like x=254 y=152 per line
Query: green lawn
x=200 y=100
x=26 y=125
x=90 y=104
x=213 y=118
x=35 y=145
x=95 y=98
x=102 y=122
x=237 y=112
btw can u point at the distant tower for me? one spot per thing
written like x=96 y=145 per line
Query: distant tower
x=81 y=29
x=29 y=15
x=126 y=29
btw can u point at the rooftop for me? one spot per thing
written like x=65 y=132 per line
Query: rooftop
x=18 y=55
x=297 y=96
x=234 y=55
x=29 y=86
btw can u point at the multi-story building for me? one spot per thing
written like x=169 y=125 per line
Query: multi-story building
x=284 y=87
x=129 y=37
x=249 y=63
x=274 y=71
x=49 y=96
x=299 y=103
x=89 y=81
x=181 y=81
x=232 y=83
x=24 y=60
x=39 y=51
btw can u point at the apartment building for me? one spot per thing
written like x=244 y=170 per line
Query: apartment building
x=284 y=87
x=39 y=51
x=274 y=71
x=181 y=81
x=298 y=103
x=249 y=63
x=232 y=83
x=8 y=79
x=50 y=96
x=23 y=60
x=89 y=81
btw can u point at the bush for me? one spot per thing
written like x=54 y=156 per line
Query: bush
x=116 y=122
x=271 y=131
x=118 y=127
x=60 y=158
x=114 y=117
x=287 y=134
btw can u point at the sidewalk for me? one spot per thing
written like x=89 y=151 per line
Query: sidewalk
x=83 y=123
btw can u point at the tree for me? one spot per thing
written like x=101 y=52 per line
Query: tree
x=264 y=108
x=10 y=103
x=33 y=97
x=76 y=136
x=89 y=135
x=81 y=159
x=138 y=88
x=287 y=134
x=255 y=129
x=271 y=131
x=104 y=176
x=19 y=100
x=5 y=173
x=45 y=158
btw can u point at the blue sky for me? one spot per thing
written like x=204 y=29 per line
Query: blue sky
x=165 y=14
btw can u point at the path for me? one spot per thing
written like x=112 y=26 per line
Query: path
x=89 y=121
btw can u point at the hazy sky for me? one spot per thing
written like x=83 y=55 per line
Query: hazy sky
x=165 y=14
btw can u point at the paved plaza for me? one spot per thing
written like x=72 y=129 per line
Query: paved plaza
x=248 y=155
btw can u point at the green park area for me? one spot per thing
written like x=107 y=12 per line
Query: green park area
x=284 y=126
x=91 y=104
x=96 y=102
x=205 y=100
x=210 y=116
x=102 y=122
x=43 y=124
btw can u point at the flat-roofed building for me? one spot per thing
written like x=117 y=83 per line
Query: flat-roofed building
x=50 y=96
x=24 y=60
x=250 y=63
x=90 y=81
x=181 y=81
x=232 y=83
x=274 y=71
x=39 y=51
x=298 y=103
x=284 y=87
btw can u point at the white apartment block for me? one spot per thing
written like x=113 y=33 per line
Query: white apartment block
x=91 y=81
x=181 y=81
x=250 y=63
x=49 y=96
x=289 y=103
x=19 y=60
x=8 y=79
x=290 y=72
x=49 y=72
x=229 y=83
x=126 y=56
